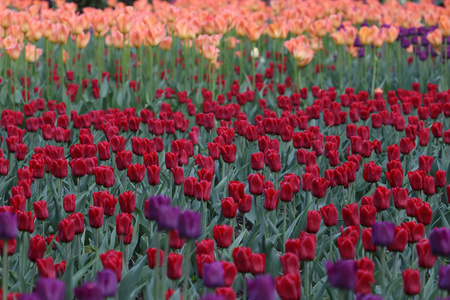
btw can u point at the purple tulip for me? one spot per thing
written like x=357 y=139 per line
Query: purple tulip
x=444 y=278
x=107 y=280
x=168 y=217
x=31 y=296
x=212 y=297
x=262 y=287
x=47 y=288
x=440 y=241
x=190 y=225
x=368 y=297
x=383 y=233
x=342 y=274
x=8 y=226
x=89 y=291
x=154 y=203
x=213 y=274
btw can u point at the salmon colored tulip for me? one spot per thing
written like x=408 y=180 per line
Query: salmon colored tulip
x=31 y=53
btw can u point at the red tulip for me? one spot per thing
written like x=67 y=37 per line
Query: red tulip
x=426 y=257
x=223 y=235
x=411 y=282
x=313 y=221
x=36 y=248
x=241 y=257
x=113 y=260
x=151 y=258
x=174 y=266
x=289 y=286
x=350 y=215
x=319 y=187
x=95 y=216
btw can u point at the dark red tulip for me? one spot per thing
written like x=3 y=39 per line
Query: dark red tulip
x=286 y=191
x=59 y=168
x=290 y=263
x=368 y=215
x=36 y=248
x=395 y=177
x=256 y=183
x=96 y=216
x=236 y=190
x=151 y=258
x=241 y=258
x=400 y=240
x=174 y=266
x=329 y=215
x=113 y=260
x=79 y=167
x=127 y=202
x=271 y=198
x=381 y=198
x=66 y=230
x=425 y=256
x=371 y=172
x=223 y=235
x=411 y=282
x=307 y=243
x=245 y=204
x=229 y=208
x=346 y=246
x=46 y=268
x=319 y=187
x=366 y=238
x=40 y=210
x=104 y=152
x=257 y=263
x=313 y=221
x=350 y=215
x=78 y=220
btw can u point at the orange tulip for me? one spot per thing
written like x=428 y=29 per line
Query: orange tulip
x=6 y=19
x=35 y=32
x=181 y=28
x=431 y=18
x=378 y=38
x=136 y=38
x=240 y=28
x=24 y=22
x=231 y=42
x=83 y=40
x=366 y=35
x=274 y=30
x=166 y=43
x=99 y=24
x=335 y=20
x=435 y=38
x=46 y=29
x=303 y=54
x=14 y=51
x=444 y=25
x=391 y=34
x=210 y=52
x=299 y=26
x=209 y=25
x=77 y=24
x=221 y=24
x=316 y=44
x=31 y=53
x=60 y=33
x=350 y=34
x=353 y=51
x=155 y=34
x=123 y=23
x=117 y=39
x=338 y=37
x=253 y=31
x=321 y=27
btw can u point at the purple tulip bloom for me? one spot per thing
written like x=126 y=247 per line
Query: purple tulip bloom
x=213 y=274
x=107 y=280
x=168 y=217
x=212 y=297
x=31 y=296
x=368 y=297
x=190 y=225
x=342 y=274
x=444 y=278
x=47 y=288
x=154 y=203
x=8 y=226
x=383 y=233
x=262 y=287
x=89 y=291
x=440 y=241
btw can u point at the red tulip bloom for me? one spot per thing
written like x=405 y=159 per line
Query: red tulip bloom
x=66 y=230
x=153 y=174
x=307 y=243
x=95 y=216
x=59 y=168
x=229 y=208
x=381 y=198
x=289 y=286
x=257 y=263
x=313 y=221
x=366 y=238
x=426 y=257
x=46 y=268
x=40 y=210
x=368 y=215
x=395 y=177
x=411 y=282
x=400 y=240
x=223 y=235
x=136 y=172
x=257 y=161
x=151 y=258
x=241 y=257
x=329 y=214
x=256 y=183
x=174 y=266
x=271 y=198
x=350 y=215
x=36 y=249
x=319 y=187
x=290 y=263
x=228 y=153
x=113 y=260
x=372 y=172
x=346 y=246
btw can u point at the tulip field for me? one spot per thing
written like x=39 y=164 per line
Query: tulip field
x=225 y=149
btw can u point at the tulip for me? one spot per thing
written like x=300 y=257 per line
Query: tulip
x=213 y=275
x=342 y=274
x=425 y=256
x=329 y=215
x=223 y=235
x=66 y=230
x=289 y=286
x=262 y=287
x=444 y=278
x=95 y=216
x=48 y=288
x=46 y=268
x=36 y=249
x=174 y=264
x=411 y=282
x=440 y=241
x=313 y=221
x=113 y=260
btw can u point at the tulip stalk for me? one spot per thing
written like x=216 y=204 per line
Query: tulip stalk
x=383 y=267
x=156 y=273
x=186 y=267
x=306 y=279
x=164 y=267
x=374 y=74
x=5 y=270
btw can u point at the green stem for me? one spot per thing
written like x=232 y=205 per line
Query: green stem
x=186 y=267
x=164 y=270
x=383 y=267
x=245 y=286
x=158 y=243
x=284 y=227
x=25 y=82
x=306 y=279
x=241 y=60
x=152 y=78
x=5 y=270
x=374 y=64
x=331 y=242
